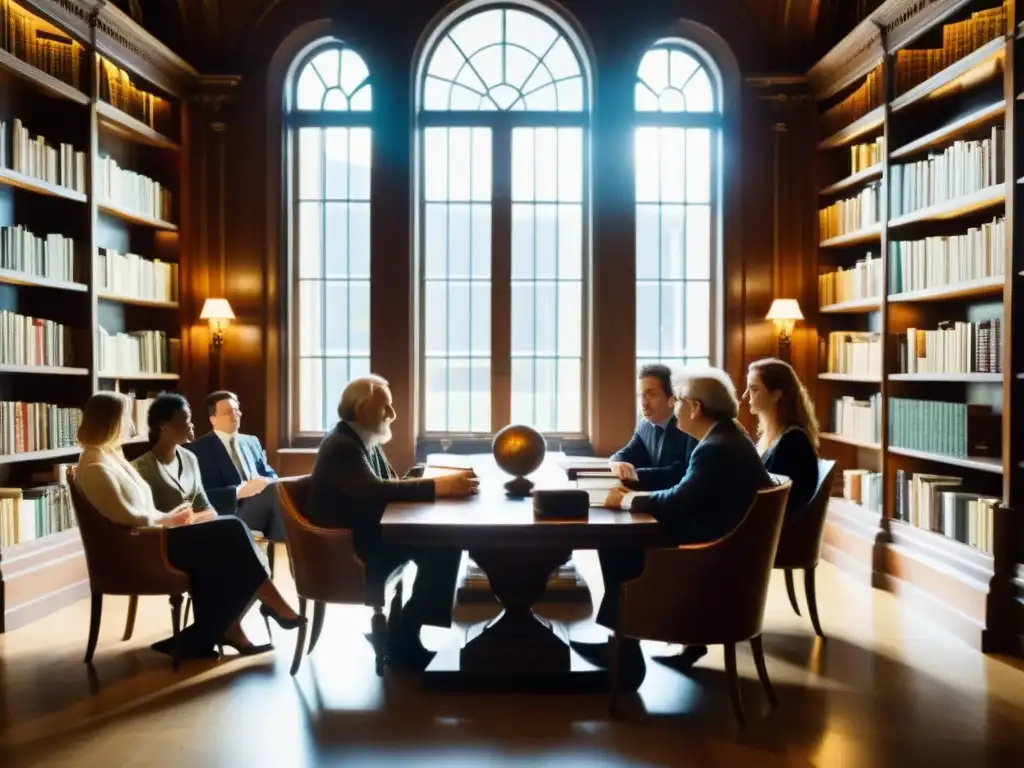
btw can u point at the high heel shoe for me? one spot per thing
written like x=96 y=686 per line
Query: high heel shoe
x=244 y=650
x=268 y=613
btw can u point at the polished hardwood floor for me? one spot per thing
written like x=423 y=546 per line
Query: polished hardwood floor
x=887 y=688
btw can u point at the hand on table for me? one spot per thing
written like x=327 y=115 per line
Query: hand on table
x=623 y=470
x=615 y=497
x=457 y=484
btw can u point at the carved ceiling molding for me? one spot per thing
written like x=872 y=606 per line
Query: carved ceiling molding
x=895 y=24
x=120 y=39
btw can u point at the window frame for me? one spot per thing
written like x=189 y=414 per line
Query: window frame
x=502 y=123
x=716 y=122
x=294 y=119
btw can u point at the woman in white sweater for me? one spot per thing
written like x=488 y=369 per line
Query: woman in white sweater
x=227 y=571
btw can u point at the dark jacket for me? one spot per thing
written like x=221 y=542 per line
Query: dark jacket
x=723 y=477
x=351 y=486
x=676 y=448
x=795 y=457
x=219 y=475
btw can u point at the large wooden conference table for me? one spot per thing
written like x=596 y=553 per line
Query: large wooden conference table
x=518 y=552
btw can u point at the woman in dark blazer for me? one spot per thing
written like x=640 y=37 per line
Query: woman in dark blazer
x=227 y=571
x=787 y=429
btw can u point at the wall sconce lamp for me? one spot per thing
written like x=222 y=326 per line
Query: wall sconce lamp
x=784 y=313
x=218 y=313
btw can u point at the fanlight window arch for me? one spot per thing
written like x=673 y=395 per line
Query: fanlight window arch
x=330 y=129
x=504 y=59
x=677 y=165
x=335 y=80
x=672 y=79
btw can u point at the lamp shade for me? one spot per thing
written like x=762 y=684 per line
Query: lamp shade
x=217 y=309
x=785 y=309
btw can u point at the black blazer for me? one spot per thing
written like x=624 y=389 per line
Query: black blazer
x=218 y=472
x=350 y=486
x=793 y=455
x=676 y=448
x=724 y=475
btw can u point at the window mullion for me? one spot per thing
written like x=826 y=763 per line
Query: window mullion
x=501 y=277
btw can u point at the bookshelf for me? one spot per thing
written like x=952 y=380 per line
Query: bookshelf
x=93 y=144
x=920 y=293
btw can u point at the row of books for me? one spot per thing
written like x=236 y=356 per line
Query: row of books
x=131 y=190
x=128 y=274
x=32 y=513
x=62 y=166
x=851 y=214
x=40 y=44
x=948 y=259
x=37 y=427
x=137 y=352
x=863 y=487
x=957 y=430
x=961 y=169
x=858 y=420
x=954 y=347
x=937 y=503
x=118 y=90
x=853 y=352
x=959 y=39
x=864 y=156
x=52 y=256
x=862 y=281
x=33 y=341
x=866 y=97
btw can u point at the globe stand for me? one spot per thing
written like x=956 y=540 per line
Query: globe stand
x=519 y=487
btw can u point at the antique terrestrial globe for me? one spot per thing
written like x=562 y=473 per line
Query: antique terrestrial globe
x=518 y=450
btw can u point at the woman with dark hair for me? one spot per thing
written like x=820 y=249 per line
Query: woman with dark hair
x=172 y=472
x=787 y=429
x=227 y=571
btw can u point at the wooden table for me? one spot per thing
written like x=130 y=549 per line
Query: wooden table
x=518 y=552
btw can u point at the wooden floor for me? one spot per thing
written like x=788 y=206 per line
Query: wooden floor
x=886 y=689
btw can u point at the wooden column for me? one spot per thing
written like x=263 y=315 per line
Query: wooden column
x=207 y=275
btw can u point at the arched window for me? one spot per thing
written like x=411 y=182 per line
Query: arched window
x=679 y=123
x=329 y=111
x=503 y=112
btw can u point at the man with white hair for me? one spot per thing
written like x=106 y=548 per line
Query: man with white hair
x=721 y=481
x=352 y=483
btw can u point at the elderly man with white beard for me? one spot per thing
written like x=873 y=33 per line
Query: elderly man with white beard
x=352 y=483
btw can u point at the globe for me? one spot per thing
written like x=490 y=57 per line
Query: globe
x=518 y=450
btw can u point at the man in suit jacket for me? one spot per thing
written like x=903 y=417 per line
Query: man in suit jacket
x=658 y=454
x=353 y=482
x=236 y=476
x=724 y=474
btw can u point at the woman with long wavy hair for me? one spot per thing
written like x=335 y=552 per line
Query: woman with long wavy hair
x=787 y=429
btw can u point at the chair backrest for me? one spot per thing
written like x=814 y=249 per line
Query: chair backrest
x=323 y=560
x=800 y=542
x=123 y=560
x=709 y=593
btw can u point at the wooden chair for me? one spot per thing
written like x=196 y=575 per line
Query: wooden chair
x=327 y=569
x=125 y=561
x=708 y=594
x=800 y=543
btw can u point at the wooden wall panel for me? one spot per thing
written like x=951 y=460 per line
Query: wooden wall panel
x=250 y=267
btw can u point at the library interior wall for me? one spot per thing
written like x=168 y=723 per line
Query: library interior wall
x=235 y=184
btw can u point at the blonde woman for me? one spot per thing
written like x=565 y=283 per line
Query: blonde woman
x=227 y=571
x=787 y=430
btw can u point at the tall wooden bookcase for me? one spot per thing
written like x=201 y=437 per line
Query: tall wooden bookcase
x=923 y=77
x=81 y=73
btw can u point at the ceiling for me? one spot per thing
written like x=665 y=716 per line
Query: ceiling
x=797 y=32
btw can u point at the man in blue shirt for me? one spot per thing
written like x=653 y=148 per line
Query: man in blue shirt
x=658 y=454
